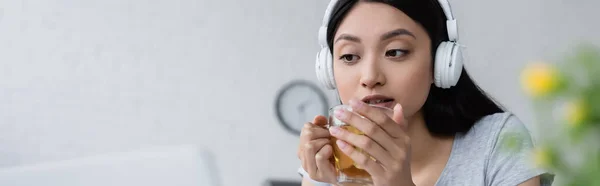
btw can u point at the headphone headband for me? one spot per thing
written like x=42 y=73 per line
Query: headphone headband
x=325 y=24
x=451 y=24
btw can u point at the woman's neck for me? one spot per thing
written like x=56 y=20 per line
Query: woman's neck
x=429 y=153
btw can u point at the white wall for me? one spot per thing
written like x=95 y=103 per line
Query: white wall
x=79 y=78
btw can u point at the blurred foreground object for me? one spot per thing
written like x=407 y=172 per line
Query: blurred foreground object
x=158 y=166
x=566 y=100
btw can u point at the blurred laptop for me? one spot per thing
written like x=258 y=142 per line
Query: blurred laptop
x=185 y=165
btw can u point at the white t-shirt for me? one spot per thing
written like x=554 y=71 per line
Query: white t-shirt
x=478 y=157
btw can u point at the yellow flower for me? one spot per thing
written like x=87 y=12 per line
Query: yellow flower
x=575 y=112
x=539 y=79
x=541 y=157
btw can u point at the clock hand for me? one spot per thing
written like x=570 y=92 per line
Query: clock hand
x=302 y=106
x=302 y=109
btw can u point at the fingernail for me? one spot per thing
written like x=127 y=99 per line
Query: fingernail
x=355 y=104
x=340 y=144
x=340 y=114
x=334 y=130
x=398 y=107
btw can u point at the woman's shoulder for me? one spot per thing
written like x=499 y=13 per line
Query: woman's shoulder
x=499 y=121
x=487 y=135
x=494 y=136
x=501 y=144
x=493 y=127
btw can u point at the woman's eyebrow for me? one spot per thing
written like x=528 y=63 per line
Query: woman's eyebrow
x=397 y=32
x=348 y=37
x=386 y=36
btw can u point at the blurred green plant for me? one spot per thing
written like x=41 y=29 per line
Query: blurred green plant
x=566 y=100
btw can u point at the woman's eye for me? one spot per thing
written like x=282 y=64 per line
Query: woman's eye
x=395 y=53
x=349 y=58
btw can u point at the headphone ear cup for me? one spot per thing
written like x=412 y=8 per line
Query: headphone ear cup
x=329 y=72
x=318 y=68
x=440 y=64
x=448 y=65
x=324 y=68
x=455 y=67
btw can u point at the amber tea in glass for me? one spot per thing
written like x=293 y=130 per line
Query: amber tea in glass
x=347 y=171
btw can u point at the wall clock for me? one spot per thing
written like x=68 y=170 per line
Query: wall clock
x=299 y=102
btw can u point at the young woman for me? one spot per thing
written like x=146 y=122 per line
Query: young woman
x=445 y=131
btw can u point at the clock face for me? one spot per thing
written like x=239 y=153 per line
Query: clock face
x=298 y=103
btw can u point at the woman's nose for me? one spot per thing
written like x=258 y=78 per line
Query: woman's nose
x=372 y=74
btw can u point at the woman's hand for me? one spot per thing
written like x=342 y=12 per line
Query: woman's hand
x=385 y=140
x=315 y=151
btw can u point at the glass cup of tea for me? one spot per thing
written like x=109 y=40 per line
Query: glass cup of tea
x=347 y=171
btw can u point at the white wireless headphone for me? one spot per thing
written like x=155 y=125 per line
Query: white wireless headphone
x=448 y=57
